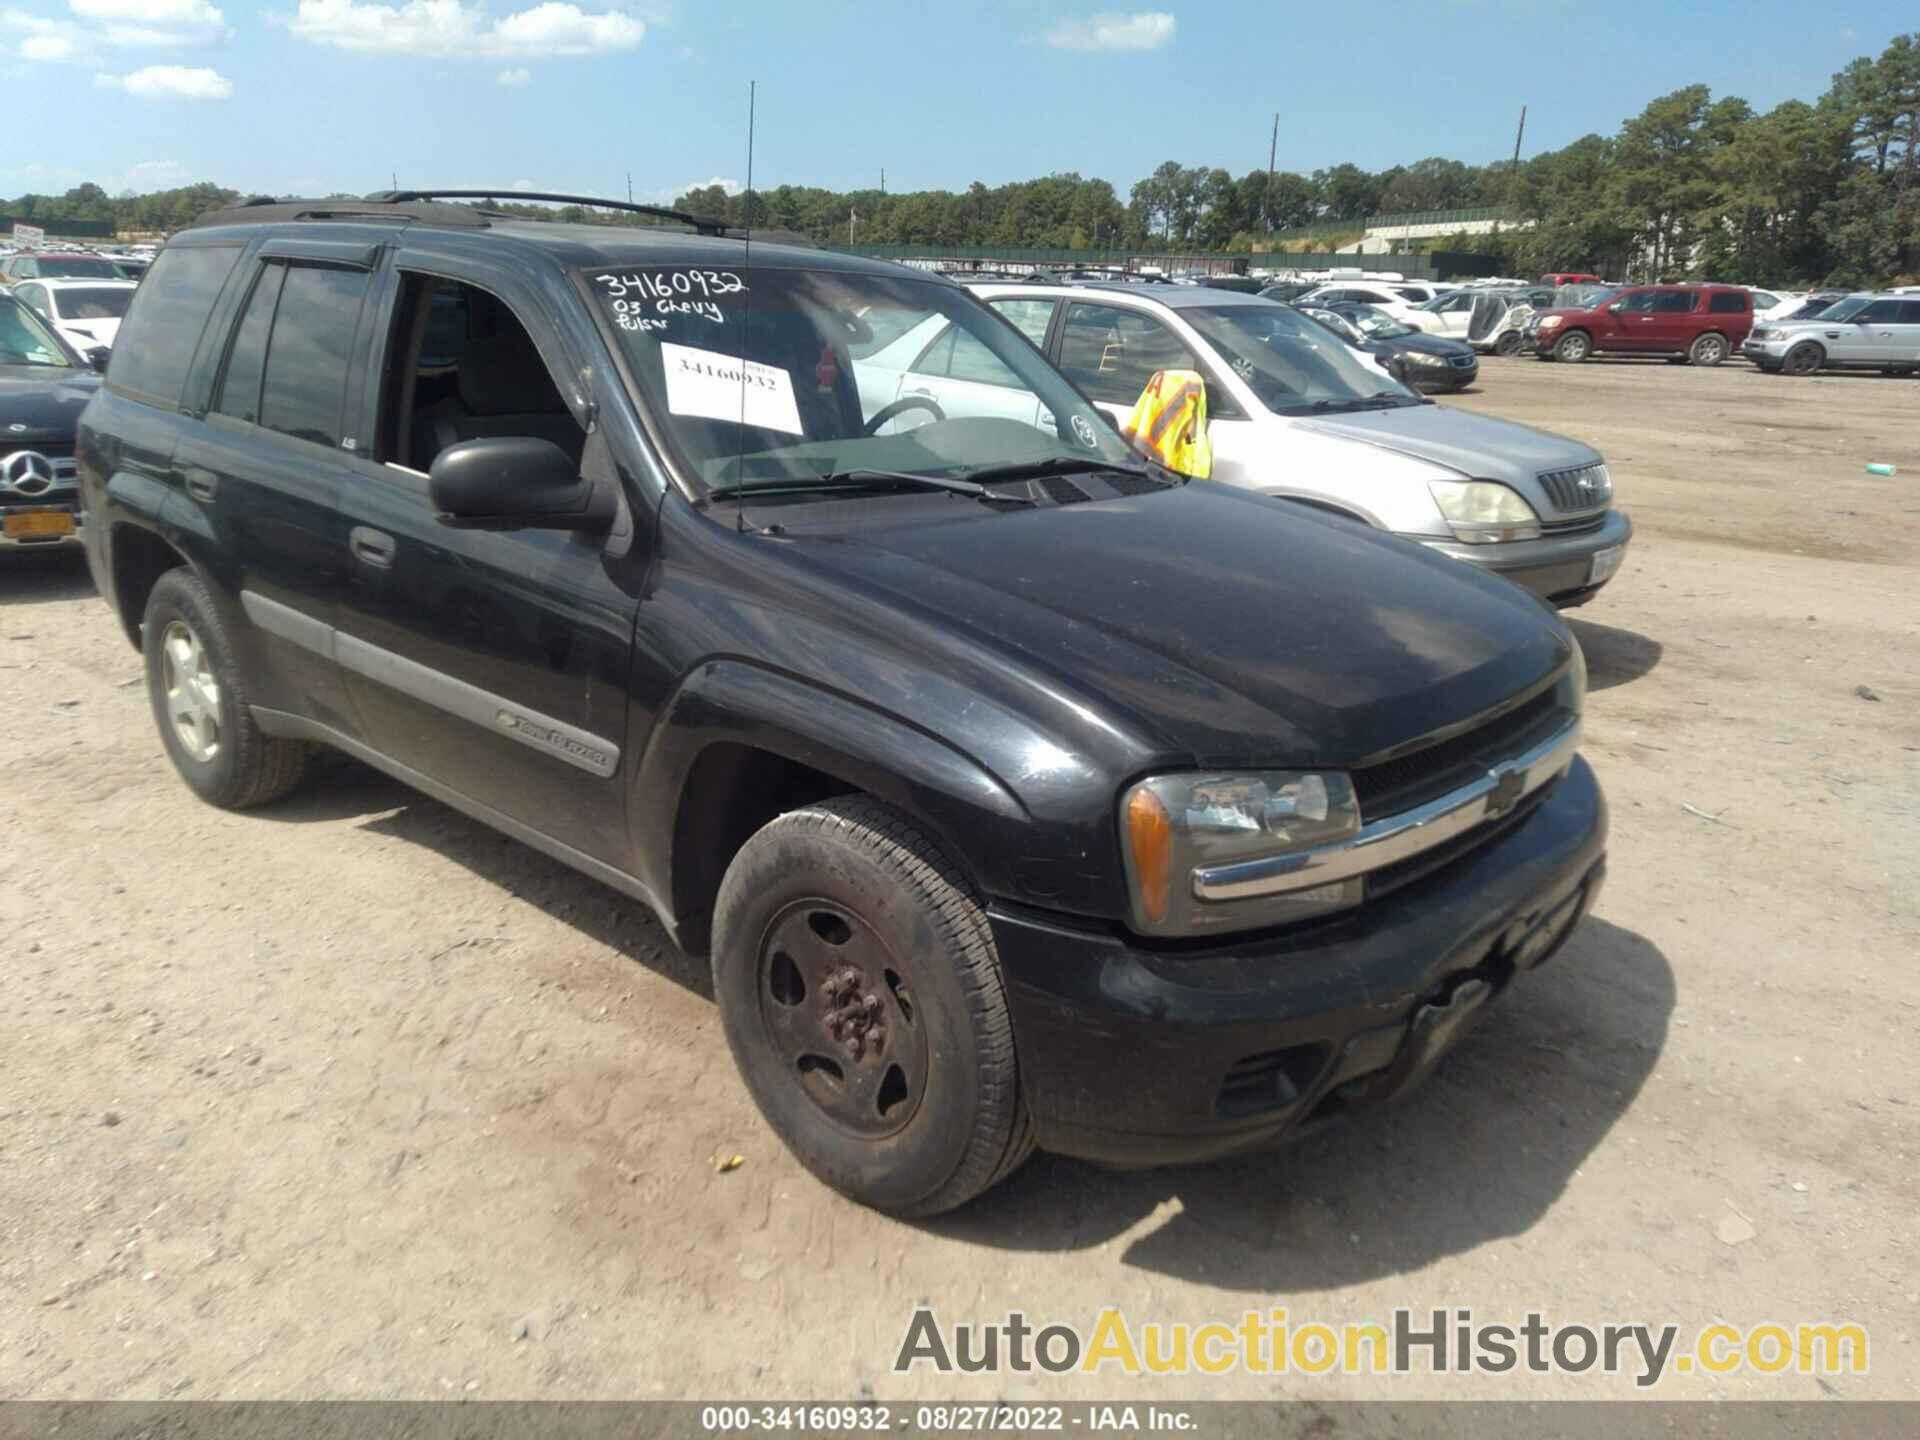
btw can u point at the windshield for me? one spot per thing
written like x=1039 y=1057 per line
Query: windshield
x=1376 y=324
x=1293 y=365
x=25 y=339
x=80 y=268
x=92 y=302
x=844 y=373
x=1848 y=308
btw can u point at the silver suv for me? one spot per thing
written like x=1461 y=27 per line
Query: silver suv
x=1861 y=332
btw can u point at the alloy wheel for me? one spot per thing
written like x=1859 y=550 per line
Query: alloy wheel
x=193 y=692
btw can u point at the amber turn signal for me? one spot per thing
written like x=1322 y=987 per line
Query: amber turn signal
x=1151 y=835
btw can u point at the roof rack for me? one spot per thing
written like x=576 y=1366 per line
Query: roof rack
x=704 y=226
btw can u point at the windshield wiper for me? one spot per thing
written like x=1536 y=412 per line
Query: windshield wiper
x=1060 y=465
x=1379 y=400
x=862 y=481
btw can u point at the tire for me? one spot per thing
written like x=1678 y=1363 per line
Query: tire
x=1573 y=347
x=1708 y=350
x=1508 y=342
x=1804 y=359
x=862 y=999
x=200 y=702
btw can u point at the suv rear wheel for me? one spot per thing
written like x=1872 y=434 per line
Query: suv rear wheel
x=862 y=999
x=1708 y=350
x=1573 y=347
x=200 y=702
x=1805 y=359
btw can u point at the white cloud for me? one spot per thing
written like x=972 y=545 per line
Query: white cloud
x=170 y=82
x=1111 y=31
x=115 y=24
x=515 y=79
x=465 y=29
x=153 y=22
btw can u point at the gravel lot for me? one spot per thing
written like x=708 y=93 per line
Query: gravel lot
x=353 y=1097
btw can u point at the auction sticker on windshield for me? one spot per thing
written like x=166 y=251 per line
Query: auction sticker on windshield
x=712 y=386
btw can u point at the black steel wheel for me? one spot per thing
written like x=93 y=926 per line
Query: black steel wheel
x=863 y=1002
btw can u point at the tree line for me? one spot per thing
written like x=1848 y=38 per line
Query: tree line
x=1820 y=191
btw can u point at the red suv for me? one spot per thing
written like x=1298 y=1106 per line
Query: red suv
x=1568 y=277
x=1700 y=323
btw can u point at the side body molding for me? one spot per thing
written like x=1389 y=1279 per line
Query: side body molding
x=581 y=748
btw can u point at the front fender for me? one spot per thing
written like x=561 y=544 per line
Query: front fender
x=970 y=809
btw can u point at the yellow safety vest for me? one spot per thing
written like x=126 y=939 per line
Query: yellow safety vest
x=1170 y=420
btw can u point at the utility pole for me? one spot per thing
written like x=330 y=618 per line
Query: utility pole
x=852 y=216
x=629 y=187
x=1513 y=172
x=1273 y=148
x=883 y=179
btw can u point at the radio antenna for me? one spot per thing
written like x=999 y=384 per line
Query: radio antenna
x=746 y=315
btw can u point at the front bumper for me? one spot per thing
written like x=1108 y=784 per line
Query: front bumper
x=1137 y=1056
x=1767 y=352
x=1449 y=376
x=1556 y=567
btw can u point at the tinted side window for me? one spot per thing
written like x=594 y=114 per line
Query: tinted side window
x=1727 y=302
x=1910 y=312
x=1674 y=302
x=308 y=355
x=1638 y=301
x=1112 y=353
x=1880 y=312
x=155 y=346
x=239 y=394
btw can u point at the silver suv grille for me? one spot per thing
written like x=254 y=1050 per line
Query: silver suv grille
x=1588 y=487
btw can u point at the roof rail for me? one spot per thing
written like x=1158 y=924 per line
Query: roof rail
x=704 y=226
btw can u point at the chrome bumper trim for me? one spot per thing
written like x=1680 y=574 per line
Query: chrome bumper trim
x=1396 y=837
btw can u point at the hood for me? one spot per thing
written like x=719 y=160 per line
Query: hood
x=1426 y=344
x=1218 y=625
x=40 y=402
x=1473 y=446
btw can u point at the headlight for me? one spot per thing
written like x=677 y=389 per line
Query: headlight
x=1420 y=357
x=1547 y=322
x=1483 y=512
x=1760 y=332
x=1174 y=826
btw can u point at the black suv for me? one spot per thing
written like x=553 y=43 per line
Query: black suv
x=1021 y=791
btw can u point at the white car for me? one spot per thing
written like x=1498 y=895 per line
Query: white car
x=1293 y=412
x=87 y=313
x=1400 y=299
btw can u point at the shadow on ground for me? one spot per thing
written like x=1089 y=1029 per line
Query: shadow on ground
x=1614 y=656
x=34 y=577
x=1479 y=1155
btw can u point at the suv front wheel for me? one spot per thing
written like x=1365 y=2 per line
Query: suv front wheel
x=200 y=702
x=862 y=999
x=1805 y=359
x=1573 y=347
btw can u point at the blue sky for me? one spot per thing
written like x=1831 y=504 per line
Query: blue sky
x=317 y=95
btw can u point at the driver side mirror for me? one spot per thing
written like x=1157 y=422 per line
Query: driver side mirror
x=515 y=482
x=97 y=356
x=1616 y=307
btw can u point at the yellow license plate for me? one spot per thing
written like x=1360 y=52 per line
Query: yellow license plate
x=39 y=525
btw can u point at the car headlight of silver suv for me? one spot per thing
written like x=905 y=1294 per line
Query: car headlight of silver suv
x=1176 y=826
x=1484 y=512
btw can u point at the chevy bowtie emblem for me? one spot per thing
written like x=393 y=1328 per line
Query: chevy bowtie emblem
x=1508 y=783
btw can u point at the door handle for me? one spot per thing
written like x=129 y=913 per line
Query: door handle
x=201 y=484
x=371 y=547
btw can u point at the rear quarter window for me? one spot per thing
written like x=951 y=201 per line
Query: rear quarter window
x=1727 y=302
x=155 y=346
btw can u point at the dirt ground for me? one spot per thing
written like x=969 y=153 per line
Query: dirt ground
x=353 y=1097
